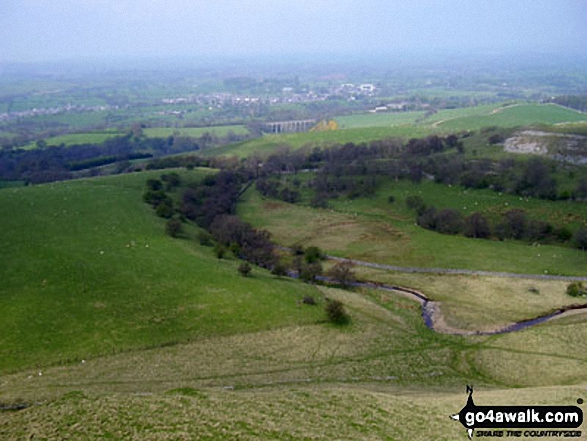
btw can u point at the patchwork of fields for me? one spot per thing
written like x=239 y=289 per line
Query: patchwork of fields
x=369 y=127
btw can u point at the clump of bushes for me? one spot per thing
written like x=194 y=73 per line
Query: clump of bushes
x=514 y=224
x=171 y=180
x=343 y=273
x=173 y=227
x=159 y=200
x=205 y=238
x=580 y=238
x=219 y=250
x=497 y=138
x=309 y=272
x=297 y=249
x=245 y=269
x=336 y=313
x=313 y=254
x=279 y=269
x=576 y=289
x=416 y=203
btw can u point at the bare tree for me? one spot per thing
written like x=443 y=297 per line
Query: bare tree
x=343 y=273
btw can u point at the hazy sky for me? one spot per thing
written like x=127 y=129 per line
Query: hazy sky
x=32 y=30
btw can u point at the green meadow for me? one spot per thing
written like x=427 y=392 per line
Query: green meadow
x=384 y=376
x=11 y=184
x=267 y=144
x=369 y=127
x=76 y=138
x=155 y=132
x=88 y=270
x=379 y=119
x=504 y=115
x=515 y=116
x=374 y=230
x=112 y=329
x=194 y=132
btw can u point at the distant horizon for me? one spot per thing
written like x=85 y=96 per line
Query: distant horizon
x=405 y=59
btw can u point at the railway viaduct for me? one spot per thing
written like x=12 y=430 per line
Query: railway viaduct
x=302 y=125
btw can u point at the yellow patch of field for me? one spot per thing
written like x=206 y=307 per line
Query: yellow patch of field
x=339 y=233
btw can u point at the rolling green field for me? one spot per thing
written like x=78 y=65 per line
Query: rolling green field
x=111 y=329
x=269 y=143
x=383 y=377
x=578 y=128
x=157 y=132
x=163 y=132
x=515 y=116
x=379 y=119
x=288 y=413
x=372 y=229
x=480 y=302
x=76 y=138
x=88 y=270
x=470 y=118
x=368 y=127
x=11 y=184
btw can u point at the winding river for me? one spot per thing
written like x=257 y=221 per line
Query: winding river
x=433 y=320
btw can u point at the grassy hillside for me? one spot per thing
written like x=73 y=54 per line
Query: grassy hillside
x=163 y=132
x=88 y=270
x=368 y=127
x=269 y=143
x=111 y=329
x=93 y=287
x=384 y=376
x=578 y=128
x=379 y=119
x=515 y=116
x=76 y=138
x=374 y=230
x=156 y=132
x=298 y=413
x=470 y=118
x=10 y=184
x=480 y=302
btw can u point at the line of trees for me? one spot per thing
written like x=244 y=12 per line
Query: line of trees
x=274 y=189
x=514 y=224
x=48 y=164
x=577 y=102
x=351 y=169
